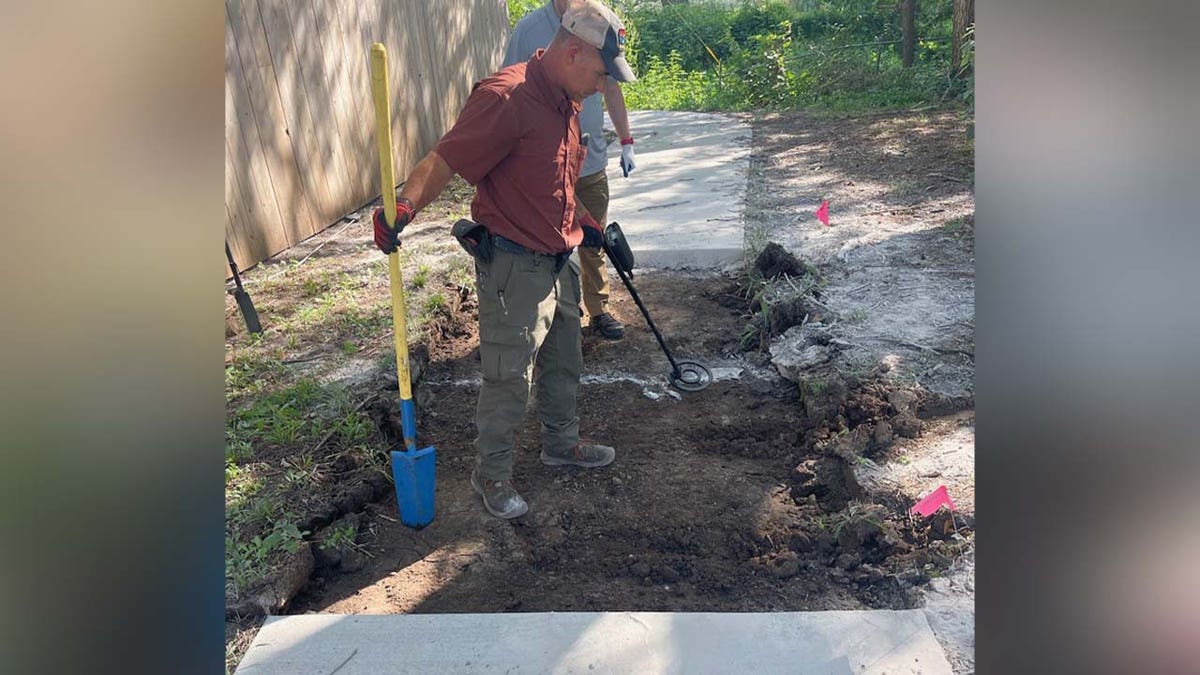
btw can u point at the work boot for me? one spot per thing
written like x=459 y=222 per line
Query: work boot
x=499 y=497
x=607 y=326
x=587 y=455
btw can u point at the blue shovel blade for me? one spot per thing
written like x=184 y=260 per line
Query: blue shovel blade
x=414 y=475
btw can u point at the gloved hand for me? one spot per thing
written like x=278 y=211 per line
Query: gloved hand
x=628 y=163
x=386 y=238
x=593 y=235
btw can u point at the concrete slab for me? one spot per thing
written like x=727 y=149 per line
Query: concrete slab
x=832 y=643
x=683 y=205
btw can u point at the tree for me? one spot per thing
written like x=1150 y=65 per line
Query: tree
x=908 y=22
x=964 y=15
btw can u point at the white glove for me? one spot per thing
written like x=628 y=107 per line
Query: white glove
x=628 y=163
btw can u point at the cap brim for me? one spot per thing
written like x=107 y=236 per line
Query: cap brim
x=619 y=70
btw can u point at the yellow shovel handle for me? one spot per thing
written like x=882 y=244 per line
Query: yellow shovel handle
x=387 y=175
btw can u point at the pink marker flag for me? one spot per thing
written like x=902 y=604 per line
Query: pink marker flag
x=933 y=502
x=823 y=213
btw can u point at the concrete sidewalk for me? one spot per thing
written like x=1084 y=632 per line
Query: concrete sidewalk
x=815 y=643
x=682 y=207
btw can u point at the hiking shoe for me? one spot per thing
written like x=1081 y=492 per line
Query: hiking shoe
x=607 y=326
x=499 y=497
x=587 y=455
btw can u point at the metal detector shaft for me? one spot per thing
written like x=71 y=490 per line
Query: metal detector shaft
x=629 y=285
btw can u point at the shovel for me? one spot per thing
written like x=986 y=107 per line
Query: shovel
x=243 y=298
x=412 y=469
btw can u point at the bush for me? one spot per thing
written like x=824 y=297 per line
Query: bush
x=702 y=56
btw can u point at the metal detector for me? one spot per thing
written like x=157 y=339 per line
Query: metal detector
x=685 y=375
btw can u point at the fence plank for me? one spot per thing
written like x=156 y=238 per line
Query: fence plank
x=320 y=104
x=291 y=90
x=255 y=218
x=353 y=125
x=236 y=214
x=401 y=30
x=295 y=209
x=438 y=90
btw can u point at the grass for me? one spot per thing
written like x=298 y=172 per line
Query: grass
x=959 y=227
x=286 y=424
x=421 y=277
x=434 y=303
x=462 y=273
x=854 y=513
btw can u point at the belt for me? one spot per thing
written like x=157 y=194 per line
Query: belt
x=510 y=246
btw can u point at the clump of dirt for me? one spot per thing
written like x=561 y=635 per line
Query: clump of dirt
x=791 y=312
x=453 y=329
x=775 y=261
x=876 y=411
x=829 y=479
x=780 y=292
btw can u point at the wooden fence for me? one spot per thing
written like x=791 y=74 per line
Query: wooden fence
x=299 y=124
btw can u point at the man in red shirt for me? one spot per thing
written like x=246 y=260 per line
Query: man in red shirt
x=518 y=142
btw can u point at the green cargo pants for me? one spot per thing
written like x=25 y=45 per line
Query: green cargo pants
x=592 y=192
x=528 y=332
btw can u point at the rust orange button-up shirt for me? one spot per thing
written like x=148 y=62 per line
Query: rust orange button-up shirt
x=517 y=141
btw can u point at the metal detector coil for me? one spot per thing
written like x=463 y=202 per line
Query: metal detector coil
x=690 y=376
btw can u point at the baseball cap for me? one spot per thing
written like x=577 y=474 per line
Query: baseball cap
x=598 y=26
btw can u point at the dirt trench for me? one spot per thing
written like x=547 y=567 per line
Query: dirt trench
x=730 y=499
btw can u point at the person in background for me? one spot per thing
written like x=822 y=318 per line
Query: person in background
x=532 y=32
x=519 y=143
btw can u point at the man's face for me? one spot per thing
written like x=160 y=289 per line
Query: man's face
x=588 y=73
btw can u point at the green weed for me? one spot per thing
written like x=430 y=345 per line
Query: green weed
x=248 y=561
x=237 y=452
x=340 y=537
x=434 y=303
x=420 y=278
x=462 y=272
x=282 y=417
x=812 y=386
x=354 y=427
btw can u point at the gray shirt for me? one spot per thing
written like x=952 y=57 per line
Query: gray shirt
x=534 y=31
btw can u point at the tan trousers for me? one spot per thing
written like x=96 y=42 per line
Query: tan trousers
x=528 y=332
x=592 y=192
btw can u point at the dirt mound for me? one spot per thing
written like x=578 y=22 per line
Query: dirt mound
x=452 y=330
x=775 y=261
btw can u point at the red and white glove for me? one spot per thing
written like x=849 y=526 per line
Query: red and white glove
x=628 y=163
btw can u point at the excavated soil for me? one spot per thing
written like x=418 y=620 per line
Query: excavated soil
x=709 y=505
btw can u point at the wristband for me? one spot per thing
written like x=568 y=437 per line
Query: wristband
x=627 y=141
